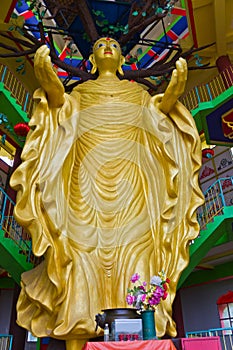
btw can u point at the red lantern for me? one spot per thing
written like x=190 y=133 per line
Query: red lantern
x=21 y=129
x=207 y=153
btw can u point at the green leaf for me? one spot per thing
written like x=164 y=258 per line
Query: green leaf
x=132 y=60
x=20 y=30
x=99 y=24
x=135 y=13
x=126 y=29
x=159 y=10
x=86 y=37
x=11 y=28
x=98 y=13
x=14 y=15
x=144 y=14
x=139 y=51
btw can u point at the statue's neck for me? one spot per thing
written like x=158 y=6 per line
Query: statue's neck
x=107 y=75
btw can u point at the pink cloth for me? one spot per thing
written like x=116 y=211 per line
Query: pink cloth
x=134 y=345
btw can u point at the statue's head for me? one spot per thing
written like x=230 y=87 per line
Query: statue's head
x=107 y=55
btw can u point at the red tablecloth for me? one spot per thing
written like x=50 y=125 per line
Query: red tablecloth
x=134 y=345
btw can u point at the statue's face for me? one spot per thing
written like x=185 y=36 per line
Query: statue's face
x=107 y=49
x=106 y=46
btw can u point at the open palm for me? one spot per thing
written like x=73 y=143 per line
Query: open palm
x=176 y=86
x=48 y=78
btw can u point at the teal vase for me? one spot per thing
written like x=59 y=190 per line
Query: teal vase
x=148 y=325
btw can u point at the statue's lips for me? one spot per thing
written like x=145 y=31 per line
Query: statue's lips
x=108 y=52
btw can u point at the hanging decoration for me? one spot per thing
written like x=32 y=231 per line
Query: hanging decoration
x=21 y=129
x=207 y=153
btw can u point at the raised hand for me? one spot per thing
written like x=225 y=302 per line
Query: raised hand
x=48 y=78
x=176 y=86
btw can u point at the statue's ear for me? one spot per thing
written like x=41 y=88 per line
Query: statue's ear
x=122 y=61
x=94 y=66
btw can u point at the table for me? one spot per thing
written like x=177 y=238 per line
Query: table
x=134 y=345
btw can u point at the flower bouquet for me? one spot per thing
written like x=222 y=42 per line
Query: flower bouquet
x=144 y=297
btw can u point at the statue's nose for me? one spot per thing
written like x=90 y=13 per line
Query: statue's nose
x=107 y=45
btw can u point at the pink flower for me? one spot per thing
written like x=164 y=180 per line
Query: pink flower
x=159 y=292
x=130 y=299
x=135 y=277
x=143 y=298
x=142 y=288
x=154 y=300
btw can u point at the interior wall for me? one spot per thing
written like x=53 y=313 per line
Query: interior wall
x=199 y=306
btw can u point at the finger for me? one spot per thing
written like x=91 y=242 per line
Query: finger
x=173 y=80
x=42 y=60
x=42 y=52
x=181 y=67
x=43 y=66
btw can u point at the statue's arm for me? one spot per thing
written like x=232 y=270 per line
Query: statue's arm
x=175 y=88
x=48 y=78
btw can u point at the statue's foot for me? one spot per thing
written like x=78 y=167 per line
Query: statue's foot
x=75 y=344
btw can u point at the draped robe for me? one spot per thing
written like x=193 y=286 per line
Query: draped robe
x=108 y=186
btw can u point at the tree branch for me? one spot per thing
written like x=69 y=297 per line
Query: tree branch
x=16 y=40
x=138 y=23
x=9 y=48
x=87 y=20
x=196 y=49
x=18 y=54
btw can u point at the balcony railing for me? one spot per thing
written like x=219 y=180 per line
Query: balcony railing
x=16 y=88
x=209 y=91
x=217 y=196
x=13 y=230
x=6 y=341
x=225 y=335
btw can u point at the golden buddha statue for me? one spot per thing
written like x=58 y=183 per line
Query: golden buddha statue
x=108 y=186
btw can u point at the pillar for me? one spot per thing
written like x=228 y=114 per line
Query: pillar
x=225 y=68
